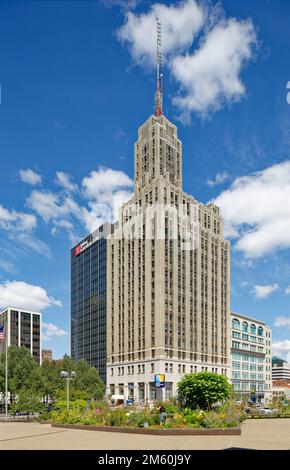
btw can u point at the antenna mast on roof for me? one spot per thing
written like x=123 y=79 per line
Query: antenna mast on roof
x=158 y=94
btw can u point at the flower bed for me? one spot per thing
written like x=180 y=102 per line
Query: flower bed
x=225 y=417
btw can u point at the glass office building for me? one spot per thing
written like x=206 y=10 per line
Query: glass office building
x=88 y=299
x=23 y=329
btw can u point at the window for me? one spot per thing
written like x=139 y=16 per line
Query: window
x=253 y=329
x=168 y=390
x=235 y=324
x=245 y=326
x=236 y=375
x=260 y=331
x=236 y=365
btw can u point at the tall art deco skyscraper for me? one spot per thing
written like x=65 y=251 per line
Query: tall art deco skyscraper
x=168 y=277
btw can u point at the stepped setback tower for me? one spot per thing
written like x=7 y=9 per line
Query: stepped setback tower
x=168 y=276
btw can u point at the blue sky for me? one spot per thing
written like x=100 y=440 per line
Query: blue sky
x=77 y=80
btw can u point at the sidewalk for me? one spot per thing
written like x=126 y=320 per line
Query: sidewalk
x=256 y=434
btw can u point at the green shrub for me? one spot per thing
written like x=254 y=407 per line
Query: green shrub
x=203 y=390
x=27 y=402
x=178 y=420
x=99 y=405
x=92 y=418
x=72 y=416
x=138 y=418
x=193 y=416
x=117 y=417
x=45 y=416
x=77 y=404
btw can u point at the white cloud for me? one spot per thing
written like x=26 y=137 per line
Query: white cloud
x=49 y=330
x=262 y=292
x=281 y=349
x=30 y=177
x=20 y=227
x=52 y=206
x=27 y=296
x=221 y=177
x=103 y=183
x=64 y=180
x=208 y=73
x=210 y=77
x=256 y=210
x=103 y=192
x=282 y=322
x=106 y=190
x=180 y=24
x=17 y=221
x=287 y=290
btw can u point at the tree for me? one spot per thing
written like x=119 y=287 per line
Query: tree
x=27 y=402
x=86 y=384
x=45 y=381
x=21 y=367
x=88 y=380
x=202 y=390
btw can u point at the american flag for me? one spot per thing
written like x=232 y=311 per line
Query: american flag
x=2 y=335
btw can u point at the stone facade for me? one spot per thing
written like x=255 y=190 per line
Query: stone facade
x=168 y=277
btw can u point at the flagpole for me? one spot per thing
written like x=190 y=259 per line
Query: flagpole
x=6 y=375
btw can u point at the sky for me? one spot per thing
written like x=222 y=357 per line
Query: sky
x=78 y=79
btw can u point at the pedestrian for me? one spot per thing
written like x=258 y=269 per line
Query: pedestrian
x=163 y=414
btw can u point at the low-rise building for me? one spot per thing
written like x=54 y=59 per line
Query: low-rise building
x=46 y=355
x=281 y=390
x=280 y=369
x=251 y=358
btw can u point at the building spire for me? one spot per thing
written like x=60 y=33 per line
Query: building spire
x=158 y=94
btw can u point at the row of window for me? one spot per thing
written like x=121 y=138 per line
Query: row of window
x=168 y=368
x=248 y=387
x=236 y=325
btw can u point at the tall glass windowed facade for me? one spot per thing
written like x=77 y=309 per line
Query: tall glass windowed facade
x=88 y=300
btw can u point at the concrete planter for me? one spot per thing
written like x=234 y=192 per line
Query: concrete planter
x=157 y=431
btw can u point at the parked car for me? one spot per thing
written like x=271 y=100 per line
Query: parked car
x=268 y=411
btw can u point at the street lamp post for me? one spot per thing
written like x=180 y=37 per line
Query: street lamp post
x=67 y=376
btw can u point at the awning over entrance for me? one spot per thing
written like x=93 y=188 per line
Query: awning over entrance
x=117 y=397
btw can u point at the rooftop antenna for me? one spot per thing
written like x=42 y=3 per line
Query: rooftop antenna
x=158 y=94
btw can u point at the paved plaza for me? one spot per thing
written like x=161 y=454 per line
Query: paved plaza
x=263 y=434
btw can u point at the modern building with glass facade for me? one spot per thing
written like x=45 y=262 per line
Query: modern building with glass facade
x=251 y=358
x=23 y=328
x=89 y=299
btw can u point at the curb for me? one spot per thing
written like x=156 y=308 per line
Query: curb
x=154 y=431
